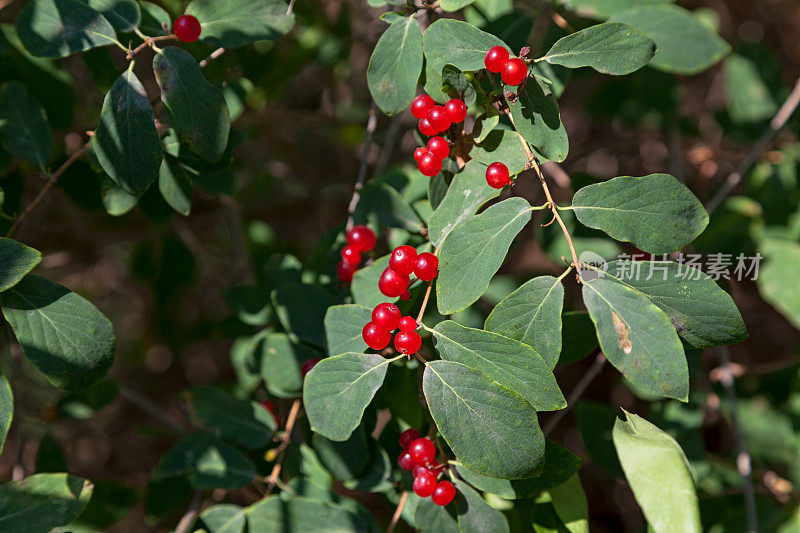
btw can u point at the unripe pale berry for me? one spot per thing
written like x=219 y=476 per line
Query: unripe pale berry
x=362 y=238
x=420 y=105
x=437 y=118
x=443 y=493
x=345 y=271
x=422 y=451
x=497 y=175
x=375 y=336
x=496 y=58
x=456 y=110
x=407 y=437
x=438 y=147
x=407 y=323
x=425 y=484
x=419 y=152
x=403 y=260
x=392 y=284
x=386 y=315
x=429 y=165
x=427 y=266
x=514 y=72
x=187 y=28
x=407 y=342
x=308 y=364
x=426 y=128
x=351 y=254
x=405 y=461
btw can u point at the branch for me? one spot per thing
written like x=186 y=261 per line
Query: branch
x=215 y=54
x=398 y=512
x=775 y=125
x=577 y=392
x=51 y=180
x=148 y=43
x=188 y=519
x=286 y=437
x=372 y=122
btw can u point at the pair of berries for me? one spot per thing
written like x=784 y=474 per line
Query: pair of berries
x=512 y=71
x=386 y=318
x=418 y=453
x=429 y=158
x=187 y=28
x=359 y=239
x=402 y=263
x=497 y=175
x=434 y=119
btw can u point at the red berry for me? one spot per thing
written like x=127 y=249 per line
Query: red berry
x=345 y=271
x=422 y=451
x=407 y=437
x=496 y=58
x=187 y=28
x=375 y=336
x=361 y=238
x=405 y=461
x=427 y=266
x=443 y=493
x=418 y=469
x=426 y=128
x=407 y=342
x=403 y=259
x=392 y=284
x=497 y=175
x=514 y=72
x=437 y=118
x=456 y=110
x=420 y=105
x=350 y=254
x=407 y=324
x=429 y=165
x=308 y=365
x=438 y=147
x=406 y=295
x=386 y=315
x=425 y=484
x=419 y=152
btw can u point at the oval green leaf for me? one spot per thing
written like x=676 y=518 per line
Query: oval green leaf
x=343 y=325
x=16 y=260
x=474 y=514
x=124 y=15
x=395 y=65
x=538 y=120
x=233 y=24
x=23 y=126
x=458 y=43
x=209 y=462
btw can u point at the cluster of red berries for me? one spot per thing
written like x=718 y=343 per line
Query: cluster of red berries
x=435 y=119
x=359 y=239
x=386 y=318
x=187 y=28
x=512 y=71
x=418 y=457
x=403 y=262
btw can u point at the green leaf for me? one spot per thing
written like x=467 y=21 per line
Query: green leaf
x=703 y=314
x=501 y=145
x=233 y=24
x=778 y=281
x=23 y=125
x=343 y=325
x=458 y=43
x=124 y=15
x=395 y=65
x=248 y=424
x=338 y=390
x=474 y=514
x=538 y=120
x=559 y=465
x=659 y=475
x=16 y=260
x=275 y=515
x=456 y=85
x=750 y=98
x=126 y=142
x=111 y=501
x=685 y=44
x=174 y=185
x=281 y=361
x=382 y=205
x=532 y=315
x=474 y=251
x=345 y=460
x=42 y=502
x=466 y=194
x=490 y=428
x=569 y=502
x=454 y=5
x=209 y=463
x=510 y=363
x=657 y=213
x=606 y=8
x=197 y=108
x=301 y=309
x=637 y=337
x=610 y=48
x=154 y=20
x=432 y=518
x=116 y=201
x=64 y=335
x=6 y=407
x=58 y=28
x=224 y=518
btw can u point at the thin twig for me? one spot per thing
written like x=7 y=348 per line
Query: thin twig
x=286 y=437
x=577 y=392
x=398 y=512
x=215 y=54
x=188 y=519
x=290 y=8
x=149 y=407
x=743 y=462
x=51 y=180
x=148 y=43
x=372 y=123
x=775 y=125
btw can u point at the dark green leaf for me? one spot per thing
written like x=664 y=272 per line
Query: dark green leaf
x=116 y=201
x=42 y=502
x=657 y=213
x=155 y=20
x=458 y=43
x=6 y=408
x=474 y=514
x=23 y=126
x=175 y=186
x=281 y=361
x=490 y=428
x=538 y=120
x=474 y=251
x=395 y=65
x=124 y=15
x=382 y=205
x=606 y=8
x=233 y=24
x=454 y=5
x=275 y=515
x=345 y=460
x=456 y=85
x=111 y=501
x=778 y=280
x=16 y=260
x=224 y=518
x=64 y=335
x=248 y=424
x=209 y=463
x=249 y=303
x=750 y=98
x=432 y=518
x=569 y=503
x=343 y=325
x=301 y=309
